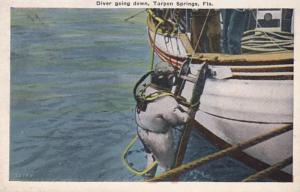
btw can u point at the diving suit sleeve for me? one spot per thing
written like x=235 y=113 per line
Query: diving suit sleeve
x=181 y=114
x=175 y=117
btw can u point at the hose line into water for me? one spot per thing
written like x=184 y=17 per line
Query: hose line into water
x=128 y=166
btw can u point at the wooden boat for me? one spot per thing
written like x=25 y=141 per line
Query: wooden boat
x=254 y=96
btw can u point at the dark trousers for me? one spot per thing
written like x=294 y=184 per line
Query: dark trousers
x=234 y=24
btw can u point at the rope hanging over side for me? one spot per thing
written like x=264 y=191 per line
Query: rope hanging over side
x=160 y=21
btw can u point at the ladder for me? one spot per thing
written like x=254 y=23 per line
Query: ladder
x=193 y=105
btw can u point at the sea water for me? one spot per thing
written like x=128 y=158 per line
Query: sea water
x=72 y=107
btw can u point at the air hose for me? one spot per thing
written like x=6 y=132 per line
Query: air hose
x=131 y=168
x=160 y=21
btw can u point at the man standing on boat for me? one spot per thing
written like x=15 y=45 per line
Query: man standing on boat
x=206 y=30
x=234 y=25
x=156 y=116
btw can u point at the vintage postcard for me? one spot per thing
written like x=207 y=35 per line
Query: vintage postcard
x=149 y=95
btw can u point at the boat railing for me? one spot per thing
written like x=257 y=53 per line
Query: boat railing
x=276 y=45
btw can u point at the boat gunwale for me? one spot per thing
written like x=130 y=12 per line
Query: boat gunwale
x=222 y=57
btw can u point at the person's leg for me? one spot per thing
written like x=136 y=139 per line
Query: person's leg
x=235 y=31
x=226 y=14
x=150 y=161
x=197 y=25
x=213 y=32
x=142 y=134
x=162 y=147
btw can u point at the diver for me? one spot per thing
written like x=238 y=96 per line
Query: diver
x=157 y=113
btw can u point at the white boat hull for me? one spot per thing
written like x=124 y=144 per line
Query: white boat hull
x=270 y=152
x=238 y=110
x=256 y=100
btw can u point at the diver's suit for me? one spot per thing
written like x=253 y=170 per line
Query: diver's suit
x=155 y=128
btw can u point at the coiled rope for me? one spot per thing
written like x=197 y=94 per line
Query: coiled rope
x=262 y=41
x=267 y=41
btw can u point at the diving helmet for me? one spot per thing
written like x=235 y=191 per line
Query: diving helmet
x=164 y=75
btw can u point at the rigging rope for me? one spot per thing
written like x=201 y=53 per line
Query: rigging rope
x=132 y=16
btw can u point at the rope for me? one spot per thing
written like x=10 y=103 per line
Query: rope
x=237 y=147
x=160 y=21
x=130 y=168
x=126 y=19
x=269 y=170
x=156 y=95
x=280 y=34
x=267 y=35
x=137 y=99
x=264 y=41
